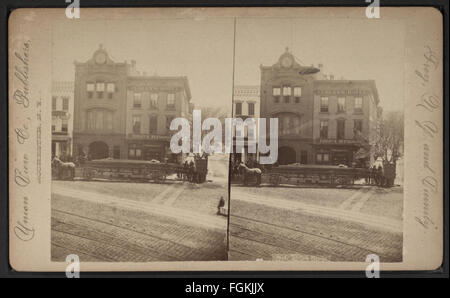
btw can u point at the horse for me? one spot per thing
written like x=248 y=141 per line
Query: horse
x=248 y=173
x=60 y=167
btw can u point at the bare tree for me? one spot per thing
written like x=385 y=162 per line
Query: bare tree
x=390 y=136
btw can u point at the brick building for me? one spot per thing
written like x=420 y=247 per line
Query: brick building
x=321 y=120
x=123 y=114
x=62 y=118
x=246 y=105
x=286 y=94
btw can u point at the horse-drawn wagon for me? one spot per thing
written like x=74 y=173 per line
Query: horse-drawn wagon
x=297 y=174
x=118 y=169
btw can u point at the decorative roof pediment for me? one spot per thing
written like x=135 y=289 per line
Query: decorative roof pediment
x=100 y=57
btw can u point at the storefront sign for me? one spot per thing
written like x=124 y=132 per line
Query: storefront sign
x=148 y=137
x=344 y=92
x=338 y=141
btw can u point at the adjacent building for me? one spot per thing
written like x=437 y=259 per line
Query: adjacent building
x=123 y=114
x=62 y=118
x=246 y=104
x=321 y=120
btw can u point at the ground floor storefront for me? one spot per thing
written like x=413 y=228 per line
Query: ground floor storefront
x=95 y=146
x=307 y=152
x=349 y=155
x=61 y=146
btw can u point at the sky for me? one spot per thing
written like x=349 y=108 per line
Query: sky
x=202 y=50
x=356 y=49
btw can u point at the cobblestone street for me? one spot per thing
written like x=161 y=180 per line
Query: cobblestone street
x=317 y=224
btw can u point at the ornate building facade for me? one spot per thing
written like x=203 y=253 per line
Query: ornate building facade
x=62 y=118
x=123 y=114
x=321 y=120
x=246 y=104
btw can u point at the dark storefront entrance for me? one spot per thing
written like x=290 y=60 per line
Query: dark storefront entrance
x=98 y=150
x=286 y=155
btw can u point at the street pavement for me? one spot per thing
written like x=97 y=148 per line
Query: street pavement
x=315 y=224
x=140 y=222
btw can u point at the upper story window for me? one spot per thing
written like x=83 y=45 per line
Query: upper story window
x=251 y=109
x=324 y=104
x=340 y=129
x=169 y=119
x=289 y=124
x=170 y=101
x=153 y=124
x=110 y=88
x=100 y=88
x=90 y=88
x=154 y=101
x=54 y=102
x=324 y=129
x=358 y=125
x=341 y=105
x=358 y=105
x=297 y=94
x=136 y=124
x=99 y=120
x=287 y=94
x=276 y=91
x=65 y=103
x=137 y=101
x=239 y=108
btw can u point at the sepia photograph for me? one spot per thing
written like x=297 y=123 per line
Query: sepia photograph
x=335 y=192
x=225 y=139
x=118 y=191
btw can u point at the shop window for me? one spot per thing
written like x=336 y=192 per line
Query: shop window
x=304 y=157
x=134 y=152
x=322 y=158
x=116 y=152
